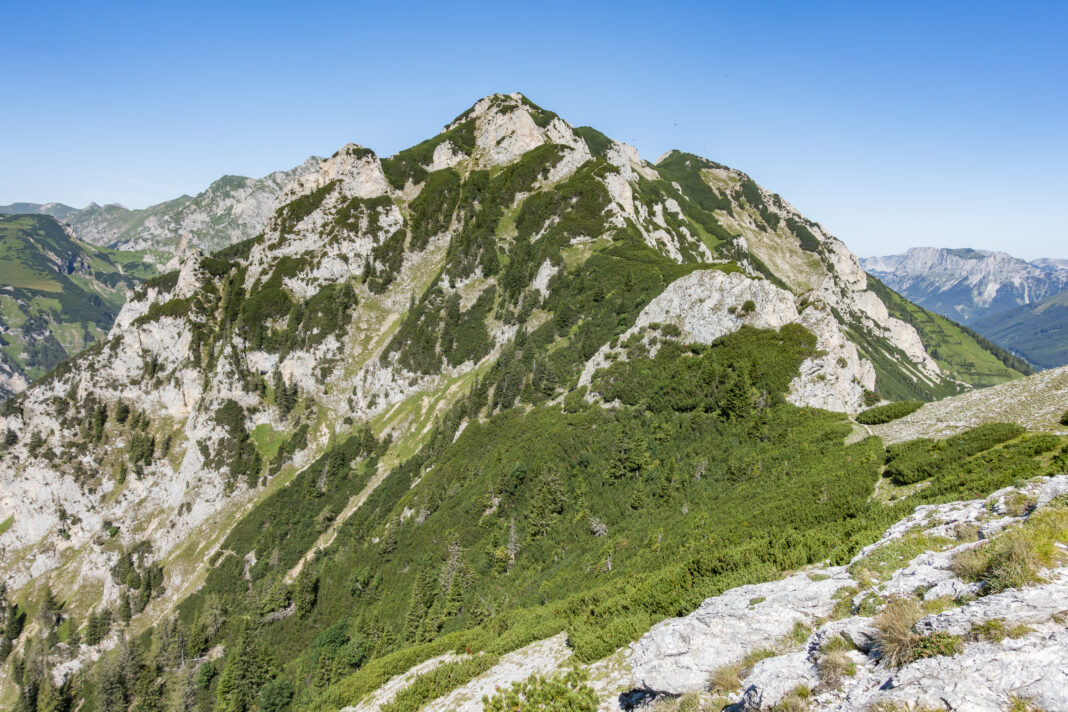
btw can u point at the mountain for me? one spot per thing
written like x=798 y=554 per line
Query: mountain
x=509 y=382
x=1038 y=331
x=56 y=210
x=966 y=284
x=231 y=209
x=57 y=295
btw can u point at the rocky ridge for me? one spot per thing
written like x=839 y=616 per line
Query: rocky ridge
x=222 y=380
x=231 y=209
x=1037 y=403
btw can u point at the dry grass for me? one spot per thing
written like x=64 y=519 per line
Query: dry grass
x=796 y=700
x=1018 y=504
x=969 y=564
x=966 y=531
x=691 y=702
x=834 y=666
x=834 y=662
x=1017 y=557
x=895 y=707
x=895 y=638
x=729 y=678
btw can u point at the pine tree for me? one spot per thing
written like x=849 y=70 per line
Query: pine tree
x=305 y=591
x=632 y=455
x=738 y=398
x=246 y=671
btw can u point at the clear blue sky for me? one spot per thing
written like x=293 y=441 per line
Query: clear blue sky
x=893 y=124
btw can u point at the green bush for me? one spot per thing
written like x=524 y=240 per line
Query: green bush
x=891 y=411
x=918 y=460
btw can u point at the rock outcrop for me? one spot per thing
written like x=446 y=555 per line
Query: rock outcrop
x=679 y=655
x=1005 y=646
x=708 y=304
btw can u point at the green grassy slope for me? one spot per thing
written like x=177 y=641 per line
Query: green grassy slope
x=959 y=351
x=57 y=294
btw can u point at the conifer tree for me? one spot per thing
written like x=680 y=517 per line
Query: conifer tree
x=246 y=671
x=305 y=591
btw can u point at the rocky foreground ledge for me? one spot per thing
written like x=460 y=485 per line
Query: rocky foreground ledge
x=961 y=606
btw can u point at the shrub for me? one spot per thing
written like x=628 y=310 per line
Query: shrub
x=921 y=459
x=935 y=644
x=545 y=694
x=886 y=413
x=1064 y=418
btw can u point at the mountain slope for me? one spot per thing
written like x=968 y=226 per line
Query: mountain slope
x=967 y=285
x=231 y=209
x=1038 y=331
x=517 y=333
x=57 y=296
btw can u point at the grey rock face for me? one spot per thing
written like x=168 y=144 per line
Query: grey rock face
x=679 y=654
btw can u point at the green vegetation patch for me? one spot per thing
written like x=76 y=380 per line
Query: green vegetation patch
x=885 y=413
x=439 y=682
x=917 y=460
x=563 y=691
x=959 y=351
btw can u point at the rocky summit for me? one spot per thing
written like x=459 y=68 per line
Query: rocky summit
x=510 y=397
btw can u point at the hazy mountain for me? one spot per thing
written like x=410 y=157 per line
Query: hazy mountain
x=511 y=382
x=966 y=284
x=56 y=210
x=231 y=209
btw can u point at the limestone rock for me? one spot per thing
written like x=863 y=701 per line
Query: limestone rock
x=708 y=304
x=679 y=654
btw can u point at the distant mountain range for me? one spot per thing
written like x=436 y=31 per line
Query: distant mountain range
x=231 y=209
x=1019 y=305
x=966 y=284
